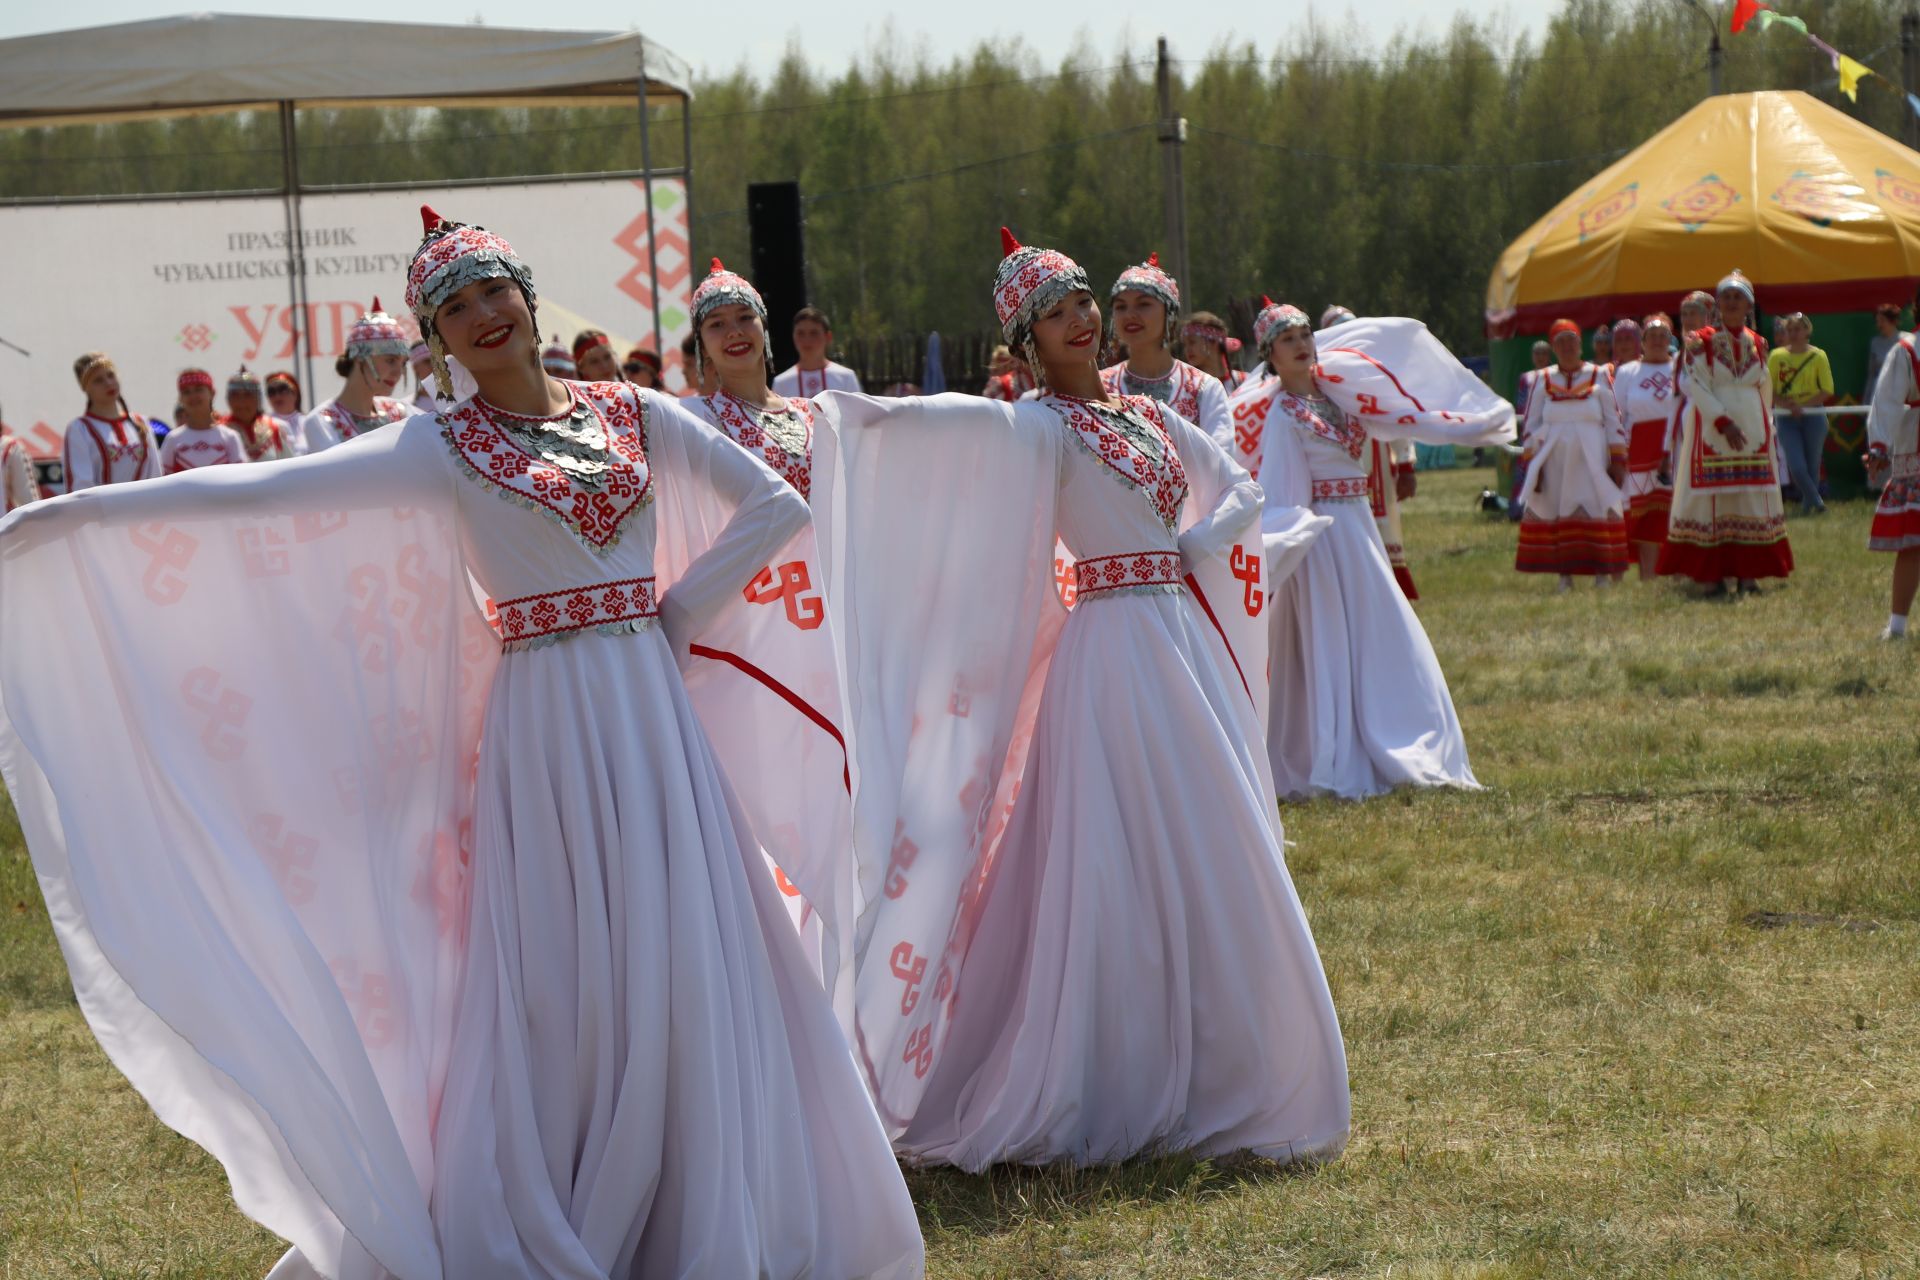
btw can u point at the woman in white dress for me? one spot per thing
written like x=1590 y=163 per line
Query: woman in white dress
x=463 y=963
x=1576 y=454
x=1086 y=944
x=1359 y=703
x=373 y=362
x=730 y=332
x=1145 y=302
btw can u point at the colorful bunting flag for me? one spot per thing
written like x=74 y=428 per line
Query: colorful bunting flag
x=1743 y=13
x=1767 y=17
x=1851 y=74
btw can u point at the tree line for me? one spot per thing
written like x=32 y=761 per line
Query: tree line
x=1321 y=166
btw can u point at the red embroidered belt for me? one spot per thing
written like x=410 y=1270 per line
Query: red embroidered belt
x=1345 y=489
x=574 y=609
x=1099 y=575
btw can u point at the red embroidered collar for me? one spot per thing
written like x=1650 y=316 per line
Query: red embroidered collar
x=596 y=517
x=1163 y=480
x=740 y=421
x=1182 y=382
x=1563 y=386
x=1345 y=433
x=388 y=409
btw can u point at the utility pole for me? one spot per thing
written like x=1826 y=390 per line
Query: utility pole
x=1716 y=58
x=1910 y=73
x=1173 y=191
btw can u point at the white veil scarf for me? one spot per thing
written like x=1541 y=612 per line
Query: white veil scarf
x=240 y=727
x=1393 y=377
x=763 y=677
x=935 y=518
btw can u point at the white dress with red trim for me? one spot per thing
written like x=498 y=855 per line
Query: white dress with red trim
x=1893 y=433
x=210 y=446
x=803 y=384
x=1727 y=519
x=268 y=438
x=1189 y=391
x=1387 y=461
x=782 y=440
x=332 y=423
x=16 y=472
x=1052 y=968
x=1575 y=520
x=1645 y=393
x=1359 y=702
x=101 y=451
x=497 y=983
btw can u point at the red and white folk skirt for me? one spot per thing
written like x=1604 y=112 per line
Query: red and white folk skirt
x=1648 y=500
x=1896 y=519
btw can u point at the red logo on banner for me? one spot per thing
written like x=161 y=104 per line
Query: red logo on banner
x=196 y=337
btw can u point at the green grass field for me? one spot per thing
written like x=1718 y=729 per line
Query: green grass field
x=1648 y=1006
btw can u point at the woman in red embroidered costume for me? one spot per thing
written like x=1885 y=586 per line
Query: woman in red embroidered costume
x=268 y=437
x=109 y=443
x=1146 y=315
x=496 y=983
x=200 y=440
x=1727 y=524
x=1049 y=971
x=1359 y=704
x=1893 y=461
x=1643 y=392
x=1206 y=345
x=730 y=333
x=1575 y=522
x=1391 y=479
x=373 y=362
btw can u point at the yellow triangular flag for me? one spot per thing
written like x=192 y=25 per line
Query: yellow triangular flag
x=1851 y=73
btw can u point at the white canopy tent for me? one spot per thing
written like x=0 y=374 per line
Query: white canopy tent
x=196 y=64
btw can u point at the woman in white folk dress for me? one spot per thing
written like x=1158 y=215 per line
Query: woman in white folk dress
x=730 y=332
x=1643 y=391
x=1086 y=944
x=1359 y=703
x=1576 y=454
x=373 y=362
x=493 y=983
x=1893 y=460
x=1145 y=305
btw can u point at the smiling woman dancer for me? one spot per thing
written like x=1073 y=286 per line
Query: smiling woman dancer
x=373 y=363
x=1049 y=972
x=1146 y=315
x=493 y=985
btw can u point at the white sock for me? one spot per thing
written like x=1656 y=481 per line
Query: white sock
x=1896 y=624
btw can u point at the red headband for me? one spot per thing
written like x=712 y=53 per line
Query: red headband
x=1562 y=326
x=588 y=341
x=190 y=378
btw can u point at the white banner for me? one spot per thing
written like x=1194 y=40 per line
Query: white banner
x=166 y=285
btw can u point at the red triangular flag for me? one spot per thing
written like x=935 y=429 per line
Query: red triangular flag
x=1743 y=11
x=429 y=220
x=1008 y=245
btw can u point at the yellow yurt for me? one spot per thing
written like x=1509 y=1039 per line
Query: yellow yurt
x=1820 y=210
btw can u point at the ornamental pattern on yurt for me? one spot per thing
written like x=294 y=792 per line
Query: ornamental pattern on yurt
x=1699 y=203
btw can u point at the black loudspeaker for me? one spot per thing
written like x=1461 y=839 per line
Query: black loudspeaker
x=779 y=260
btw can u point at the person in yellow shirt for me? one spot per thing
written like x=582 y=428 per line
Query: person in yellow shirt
x=1802 y=380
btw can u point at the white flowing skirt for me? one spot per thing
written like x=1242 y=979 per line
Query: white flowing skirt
x=645 y=1081
x=1143 y=976
x=1360 y=705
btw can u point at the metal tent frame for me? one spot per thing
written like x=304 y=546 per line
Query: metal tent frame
x=202 y=64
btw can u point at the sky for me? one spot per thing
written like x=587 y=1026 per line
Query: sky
x=717 y=37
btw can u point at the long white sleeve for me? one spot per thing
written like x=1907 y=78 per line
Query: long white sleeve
x=1890 y=422
x=767 y=514
x=1212 y=415
x=1236 y=496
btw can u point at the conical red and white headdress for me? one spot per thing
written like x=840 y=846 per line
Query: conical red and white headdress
x=722 y=287
x=1148 y=278
x=451 y=256
x=1276 y=318
x=1028 y=282
x=376 y=334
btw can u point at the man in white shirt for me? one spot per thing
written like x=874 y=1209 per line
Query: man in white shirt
x=812 y=338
